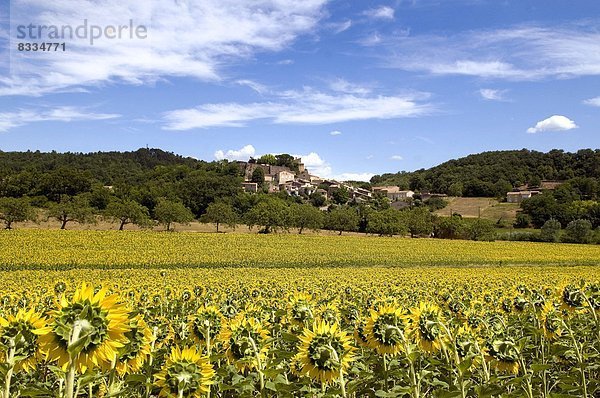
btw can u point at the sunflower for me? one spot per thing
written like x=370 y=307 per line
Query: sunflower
x=424 y=327
x=325 y=352
x=244 y=342
x=186 y=373
x=385 y=330
x=466 y=343
x=503 y=354
x=359 y=334
x=138 y=348
x=571 y=298
x=551 y=321
x=329 y=313
x=96 y=323
x=300 y=309
x=206 y=323
x=22 y=330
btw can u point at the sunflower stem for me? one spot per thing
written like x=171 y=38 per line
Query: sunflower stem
x=208 y=348
x=385 y=370
x=579 y=359
x=10 y=360
x=259 y=364
x=70 y=387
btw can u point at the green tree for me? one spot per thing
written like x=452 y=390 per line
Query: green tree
x=220 y=213
x=270 y=213
x=70 y=209
x=550 y=231
x=317 y=200
x=14 y=210
x=449 y=227
x=455 y=189
x=342 y=219
x=419 y=221
x=304 y=216
x=386 y=222
x=258 y=176
x=267 y=159
x=522 y=221
x=482 y=229
x=126 y=211
x=340 y=196
x=578 y=231
x=168 y=212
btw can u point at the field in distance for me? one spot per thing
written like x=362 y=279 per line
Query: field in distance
x=56 y=249
x=488 y=208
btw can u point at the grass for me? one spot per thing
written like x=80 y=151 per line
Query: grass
x=485 y=207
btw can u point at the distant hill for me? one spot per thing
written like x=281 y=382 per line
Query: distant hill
x=108 y=168
x=491 y=174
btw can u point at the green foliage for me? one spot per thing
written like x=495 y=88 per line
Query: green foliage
x=436 y=203
x=220 y=213
x=267 y=159
x=578 y=231
x=270 y=213
x=522 y=221
x=14 y=210
x=419 y=221
x=550 y=231
x=127 y=211
x=168 y=212
x=482 y=230
x=317 y=200
x=340 y=196
x=258 y=176
x=450 y=227
x=303 y=216
x=491 y=173
x=70 y=209
x=386 y=222
x=342 y=219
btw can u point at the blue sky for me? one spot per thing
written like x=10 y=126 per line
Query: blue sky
x=355 y=87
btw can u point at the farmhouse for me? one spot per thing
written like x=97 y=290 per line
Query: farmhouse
x=519 y=196
x=394 y=193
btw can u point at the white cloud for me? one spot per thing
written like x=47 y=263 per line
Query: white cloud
x=519 y=53
x=243 y=153
x=299 y=107
x=258 y=87
x=318 y=166
x=21 y=117
x=492 y=94
x=339 y=27
x=593 y=101
x=396 y=157
x=335 y=132
x=383 y=12
x=192 y=38
x=353 y=176
x=553 y=123
x=344 y=86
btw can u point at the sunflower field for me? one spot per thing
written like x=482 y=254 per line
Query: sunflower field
x=485 y=331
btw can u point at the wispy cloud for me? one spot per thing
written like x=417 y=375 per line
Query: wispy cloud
x=592 y=101
x=553 y=123
x=383 y=12
x=519 y=53
x=21 y=117
x=344 y=86
x=492 y=94
x=396 y=157
x=300 y=107
x=243 y=153
x=339 y=27
x=335 y=132
x=192 y=38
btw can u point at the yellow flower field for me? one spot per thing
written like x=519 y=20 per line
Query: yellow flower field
x=141 y=315
x=28 y=249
